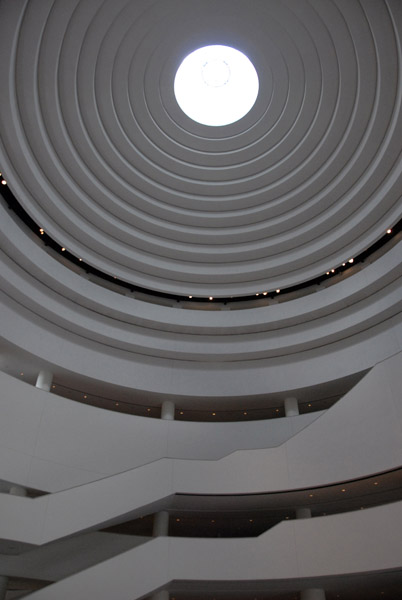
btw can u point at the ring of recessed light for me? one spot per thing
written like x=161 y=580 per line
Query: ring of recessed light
x=216 y=85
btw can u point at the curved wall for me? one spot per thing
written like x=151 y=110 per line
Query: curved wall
x=299 y=554
x=359 y=426
x=112 y=338
x=116 y=173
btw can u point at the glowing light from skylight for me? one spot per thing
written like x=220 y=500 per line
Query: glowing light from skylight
x=216 y=85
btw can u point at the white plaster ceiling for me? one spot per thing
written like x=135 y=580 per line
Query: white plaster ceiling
x=98 y=152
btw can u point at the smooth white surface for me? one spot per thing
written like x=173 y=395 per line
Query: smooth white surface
x=357 y=426
x=98 y=152
x=96 y=149
x=68 y=443
x=310 y=549
x=216 y=85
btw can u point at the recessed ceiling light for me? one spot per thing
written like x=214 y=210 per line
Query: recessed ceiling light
x=216 y=85
x=389 y=230
x=351 y=260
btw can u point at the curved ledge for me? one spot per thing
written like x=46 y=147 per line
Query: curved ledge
x=301 y=462
x=303 y=552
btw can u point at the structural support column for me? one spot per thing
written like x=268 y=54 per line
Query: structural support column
x=3 y=586
x=161 y=595
x=312 y=594
x=17 y=490
x=291 y=407
x=303 y=513
x=44 y=380
x=167 y=411
x=161 y=523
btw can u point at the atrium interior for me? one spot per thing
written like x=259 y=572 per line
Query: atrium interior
x=201 y=291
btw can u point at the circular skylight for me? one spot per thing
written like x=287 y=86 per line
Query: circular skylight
x=216 y=85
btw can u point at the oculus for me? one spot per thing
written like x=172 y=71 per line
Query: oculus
x=216 y=85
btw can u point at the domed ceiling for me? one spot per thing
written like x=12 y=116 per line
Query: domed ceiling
x=99 y=153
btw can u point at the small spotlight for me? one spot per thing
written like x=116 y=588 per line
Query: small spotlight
x=63 y=249
x=3 y=182
x=327 y=272
x=343 y=264
x=80 y=259
x=350 y=260
x=277 y=291
x=332 y=270
x=211 y=298
x=264 y=293
x=213 y=414
x=389 y=230
x=190 y=296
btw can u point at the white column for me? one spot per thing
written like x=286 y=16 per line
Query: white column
x=161 y=523
x=312 y=594
x=303 y=513
x=161 y=595
x=3 y=586
x=17 y=490
x=167 y=411
x=44 y=380
x=291 y=407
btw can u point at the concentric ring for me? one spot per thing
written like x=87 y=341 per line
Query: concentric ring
x=121 y=177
